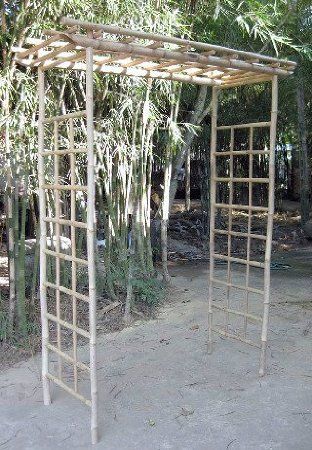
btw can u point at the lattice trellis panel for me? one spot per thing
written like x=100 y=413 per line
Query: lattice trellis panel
x=235 y=190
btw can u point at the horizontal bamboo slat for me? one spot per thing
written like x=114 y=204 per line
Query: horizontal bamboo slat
x=241 y=207
x=68 y=358
x=67 y=291
x=73 y=115
x=240 y=234
x=234 y=336
x=67 y=222
x=244 y=125
x=64 y=187
x=68 y=389
x=66 y=257
x=241 y=180
x=239 y=260
x=242 y=152
x=64 y=152
x=238 y=286
x=68 y=325
x=237 y=313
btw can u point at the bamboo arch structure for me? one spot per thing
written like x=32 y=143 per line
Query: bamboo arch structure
x=109 y=49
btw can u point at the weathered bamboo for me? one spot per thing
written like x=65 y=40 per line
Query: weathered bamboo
x=83 y=262
x=67 y=222
x=234 y=336
x=68 y=358
x=245 y=125
x=238 y=260
x=68 y=389
x=73 y=115
x=268 y=247
x=57 y=245
x=213 y=145
x=250 y=174
x=242 y=207
x=91 y=241
x=68 y=325
x=67 y=291
x=64 y=152
x=243 y=153
x=237 y=313
x=43 y=243
x=241 y=234
x=242 y=180
x=238 y=286
x=230 y=220
x=65 y=187
x=173 y=40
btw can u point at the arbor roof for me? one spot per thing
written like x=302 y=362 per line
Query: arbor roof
x=127 y=52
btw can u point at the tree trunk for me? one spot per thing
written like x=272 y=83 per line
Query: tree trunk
x=303 y=155
x=196 y=117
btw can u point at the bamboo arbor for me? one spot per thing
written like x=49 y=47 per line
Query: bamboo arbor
x=107 y=49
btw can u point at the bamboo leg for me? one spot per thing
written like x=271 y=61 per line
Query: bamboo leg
x=57 y=247
x=249 y=228
x=91 y=240
x=268 y=246
x=230 y=215
x=43 y=243
x=73 y=245
x=213 y=143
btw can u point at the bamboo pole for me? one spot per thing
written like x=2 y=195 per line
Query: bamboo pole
x=91 y=241
x=158 y=37
x=268 y=247
x=213 y=145
x=229 y=235
x=43 y=243
x=57 y=245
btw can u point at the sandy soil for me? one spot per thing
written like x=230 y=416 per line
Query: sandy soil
x=159 y=389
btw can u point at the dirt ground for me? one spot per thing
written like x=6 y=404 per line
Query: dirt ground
x=159 y=389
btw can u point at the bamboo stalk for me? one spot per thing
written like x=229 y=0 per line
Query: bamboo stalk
x=240 y=234
x=68 y=358
x=242 y=207
x=230 y=220
x=90 y=242
x=268 y=246
x=64 y=187
x=73 y=223
x=66 y=257
x=43 y=243
x=241 y=180
x=64 y=152
x=243 y=153
x=213 y=145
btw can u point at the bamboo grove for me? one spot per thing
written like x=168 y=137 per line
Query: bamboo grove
x=146 y=131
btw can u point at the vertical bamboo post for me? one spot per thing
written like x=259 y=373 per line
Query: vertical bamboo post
x=91 y=241
x=268 y=246
x=230 y=220
x=188 y=180
x=43 y=243
x=213 y=145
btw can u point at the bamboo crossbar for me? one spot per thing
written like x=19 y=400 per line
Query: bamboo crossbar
x=173 y=40
x=238 y=260
x=237 y=313
x=241 y=180
x=64 y=152
x=241 y=207
x=68 y=358
x=238 y=286
x=65 y=187
x=68 y=325
x=68 y=389
x=242 y=152
x=240 y=234
x=234 y=336
x=244 y=125
x=66 y=257
x=73 y=115
x=67 y=222
x=67 y=291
